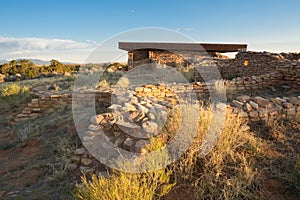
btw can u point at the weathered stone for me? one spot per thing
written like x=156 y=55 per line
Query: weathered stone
x=119 y=142
x=151 y=116
x=75 y=159
x=72 y=166
x=135 y=115
x=86 y=170
x=150 y=127
x=243 y=98
x=128 y=143
x=86 y=161
x=253 y=104
x=261 y=101
x=248 y=107
x=93 y=127
x=262 y=113
x=80 y=151
x=128 y=128
x=253 y=114
x=243 y=114
x=114 y=107
x=140 y=146
x=139 y=89
x=97 y=119
x=22 y=115
x=291 y=111
x=129 y=107
x=287 y=105
x=87 y=138
x=237 y=104
x=146 y=90
x=295 y=101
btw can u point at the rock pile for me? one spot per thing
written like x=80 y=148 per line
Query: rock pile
x=128 y=126
x=130 y=122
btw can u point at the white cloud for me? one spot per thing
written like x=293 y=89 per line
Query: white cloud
x=184 y=29
x=12 y=48
x=10 y=43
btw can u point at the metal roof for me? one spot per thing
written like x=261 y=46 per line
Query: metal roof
x=209 y=47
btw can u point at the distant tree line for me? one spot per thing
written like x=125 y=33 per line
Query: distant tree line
x=30 y=70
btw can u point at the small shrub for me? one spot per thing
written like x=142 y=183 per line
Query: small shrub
x=14 y=95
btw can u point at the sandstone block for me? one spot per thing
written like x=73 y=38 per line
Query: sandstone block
x=253 y=104
x=86 y=161
x=237 y=104
x=287 y=105
x=253 y=114
x=261 y=101
x=75 y=159
x=86 y=170
x=128 y=128
x=128 y=143
x=243 y=98
x=80 y=151
x=72 y=166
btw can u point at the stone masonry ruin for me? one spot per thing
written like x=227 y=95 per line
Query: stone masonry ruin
x=248 y=71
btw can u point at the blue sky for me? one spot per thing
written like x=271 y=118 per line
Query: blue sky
x=70 y=30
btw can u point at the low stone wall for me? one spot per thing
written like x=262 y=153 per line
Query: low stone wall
x=45 y=99
x=258 y=108
x=250 y=64
x=287 y=74
x=131 y=131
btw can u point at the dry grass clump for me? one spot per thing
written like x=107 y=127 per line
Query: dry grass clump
x=227 y=171
x=126 y=186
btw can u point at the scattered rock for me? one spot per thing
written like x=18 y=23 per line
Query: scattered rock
x=95 y=120
x=94 y=127
x=128 y=128
x=237 y=104
x=75 y=159
x=253 y=114
x=243 y=98
x=287 y=105
x=86 y=161
x=253 y=104
x=150 y=127
x=80 y=151
x=243 y=114
x=128 y=143
x=129 y=107
x=140 y=146
x=86 y=170
x=72 y=166
x=261 y=101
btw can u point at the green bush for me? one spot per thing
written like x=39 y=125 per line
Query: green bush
x=14 y=95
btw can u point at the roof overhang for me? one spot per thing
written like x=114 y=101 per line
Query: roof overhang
x=209 y=47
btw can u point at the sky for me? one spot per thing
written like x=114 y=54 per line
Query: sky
x=71 y=30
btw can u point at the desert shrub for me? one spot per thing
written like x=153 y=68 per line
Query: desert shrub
x=14 y=95
x=126 y=186
x=227 y=171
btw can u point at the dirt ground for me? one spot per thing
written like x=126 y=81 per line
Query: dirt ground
x=35 y=167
